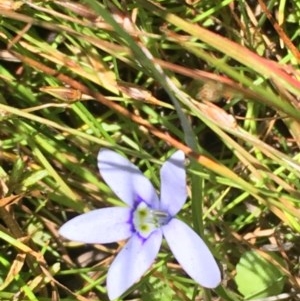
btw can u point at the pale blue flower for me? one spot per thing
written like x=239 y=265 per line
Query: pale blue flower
x=144 y=222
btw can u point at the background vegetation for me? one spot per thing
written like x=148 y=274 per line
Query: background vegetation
x=216 y=79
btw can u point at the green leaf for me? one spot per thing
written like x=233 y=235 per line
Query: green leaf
x=34 y=178
x=257 y=278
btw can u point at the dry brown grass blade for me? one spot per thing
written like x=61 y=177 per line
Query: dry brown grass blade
x=201 y=159
x=263 y=66
x=286 y=40
x=14 y=270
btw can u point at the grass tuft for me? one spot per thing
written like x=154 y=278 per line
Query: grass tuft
x=217 y=79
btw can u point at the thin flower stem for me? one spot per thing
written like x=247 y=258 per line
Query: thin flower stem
x=197 y=198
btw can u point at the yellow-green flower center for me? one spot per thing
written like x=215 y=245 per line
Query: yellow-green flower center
x=146 y=220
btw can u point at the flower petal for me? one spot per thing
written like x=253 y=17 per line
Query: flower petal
x=192 y=253
x=99 y=226
x=132 y=262
x=173 y=184
x=125 y=179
